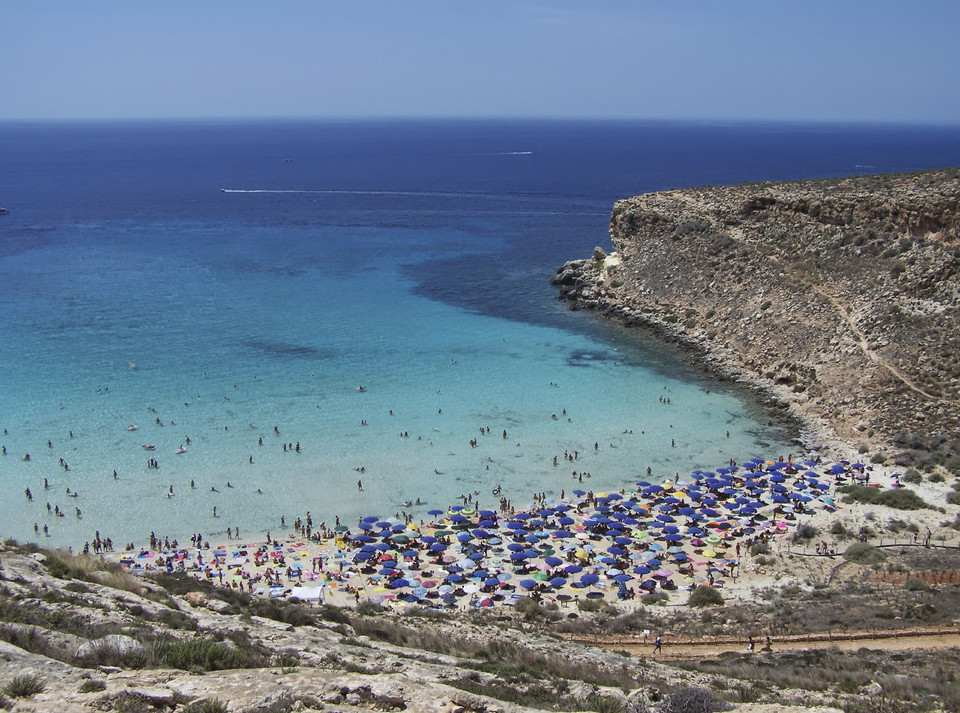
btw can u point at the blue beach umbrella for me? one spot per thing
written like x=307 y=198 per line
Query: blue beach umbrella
x=557 y=582
x=528 y=583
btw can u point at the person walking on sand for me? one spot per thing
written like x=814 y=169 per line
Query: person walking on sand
x=657 y=643
x=359 y=485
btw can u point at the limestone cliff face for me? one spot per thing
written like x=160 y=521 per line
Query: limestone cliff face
x=843 y=294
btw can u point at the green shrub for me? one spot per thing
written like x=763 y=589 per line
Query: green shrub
x=24 y=686
x=838 y=530
x=912 y=476
x=804 y=533
x=878 y=458
x=953 y=498
x=935 y=478
x=655 y=599
x=705 y=597
x=863 y=553
x=902 y=499
x=690 y=699
x=915 y=584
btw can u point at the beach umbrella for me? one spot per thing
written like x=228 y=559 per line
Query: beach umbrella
x=675 y=537
x=399 y=582
x=562 y=534
x=491 y=582
x=572 y=568
x=589 y=578
x=641 y=569
x=365 y=526
x=528 y=583
x=438 y=547
x=653 y=562
x=435 y=512
x=487 y=523
x=487 y=513
x=455 y=578
x=553 y=561
x=622 y=578
x=557 y=582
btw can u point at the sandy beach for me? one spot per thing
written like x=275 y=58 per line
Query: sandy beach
x=702 y=530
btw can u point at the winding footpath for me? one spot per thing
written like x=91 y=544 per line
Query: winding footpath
x=903 y=640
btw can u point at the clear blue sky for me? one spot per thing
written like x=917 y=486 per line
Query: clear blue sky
x=869 y=60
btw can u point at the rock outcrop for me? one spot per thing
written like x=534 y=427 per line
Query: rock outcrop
x=839 y=296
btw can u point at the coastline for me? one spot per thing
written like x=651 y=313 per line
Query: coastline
x=583 y=286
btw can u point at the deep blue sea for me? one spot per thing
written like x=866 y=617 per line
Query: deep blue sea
x=229 y=287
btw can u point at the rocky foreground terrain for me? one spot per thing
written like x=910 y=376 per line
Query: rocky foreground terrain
x=838 y=296
x=79 y=634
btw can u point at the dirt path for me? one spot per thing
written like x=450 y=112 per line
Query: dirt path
x=912 y=640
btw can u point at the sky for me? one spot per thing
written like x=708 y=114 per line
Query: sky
x=816 y=60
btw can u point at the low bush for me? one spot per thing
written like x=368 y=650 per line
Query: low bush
x=902 y=499
x=863 y=553
x=804 y=533
x=92 y=685
x=705 y=597
x=912 y=476
x=915 y=584
x=690 y=699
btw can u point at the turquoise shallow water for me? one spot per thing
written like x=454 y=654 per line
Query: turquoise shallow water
x=221 y=355
x=411 y=259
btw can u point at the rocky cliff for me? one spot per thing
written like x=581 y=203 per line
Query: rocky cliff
x=840 y=296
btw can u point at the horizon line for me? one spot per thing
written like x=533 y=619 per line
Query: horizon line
x=477 y=119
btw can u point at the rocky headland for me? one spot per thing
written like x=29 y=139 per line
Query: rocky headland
x=838 y=298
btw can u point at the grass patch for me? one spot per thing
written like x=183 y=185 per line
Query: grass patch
x=92 y=685
x=209 y=654
x=211 y=705
x=24 y=686
x=64 y=565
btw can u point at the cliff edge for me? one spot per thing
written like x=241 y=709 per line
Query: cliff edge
x=840 y=296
